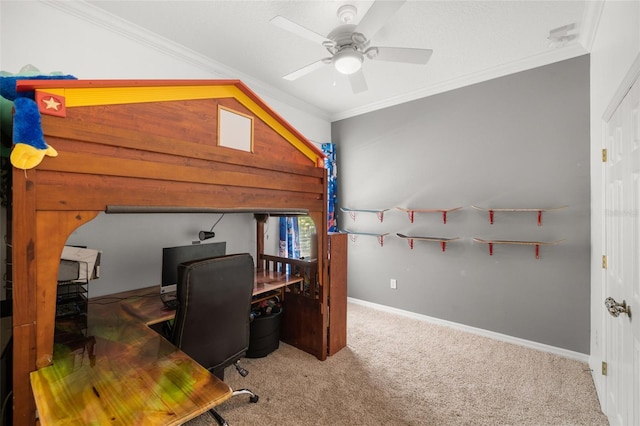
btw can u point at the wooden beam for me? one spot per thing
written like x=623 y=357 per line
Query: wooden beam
x=53 y=230
x=24 y=291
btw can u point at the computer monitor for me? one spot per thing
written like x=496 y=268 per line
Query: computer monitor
x=173 y=256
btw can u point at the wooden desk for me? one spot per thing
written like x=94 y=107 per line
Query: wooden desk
x=266 y=282
x=118 y=371
x=145 y=304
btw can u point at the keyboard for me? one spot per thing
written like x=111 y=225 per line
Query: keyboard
x=170 y=303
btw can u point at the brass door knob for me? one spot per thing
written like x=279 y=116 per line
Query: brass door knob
x=615 y=308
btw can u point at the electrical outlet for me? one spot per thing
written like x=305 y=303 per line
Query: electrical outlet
x=393 y=283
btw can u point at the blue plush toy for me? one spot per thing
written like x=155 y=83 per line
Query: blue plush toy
x=24 y=126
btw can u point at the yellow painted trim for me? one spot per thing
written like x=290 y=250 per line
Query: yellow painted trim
x=94 y=96
x=275 y=125
x=90 y=96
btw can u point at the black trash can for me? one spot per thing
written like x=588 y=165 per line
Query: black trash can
x=264 y=336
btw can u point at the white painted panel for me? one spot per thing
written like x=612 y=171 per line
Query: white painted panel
x=622 y=177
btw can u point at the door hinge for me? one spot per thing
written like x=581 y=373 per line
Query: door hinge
x=604 y=368
x=604 y=261
x=604 y=155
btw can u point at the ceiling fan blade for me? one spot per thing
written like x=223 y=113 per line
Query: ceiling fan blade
x=307 y=69
x=377 y=15
x=297 y=29
x=358 y=82
x=400 y=54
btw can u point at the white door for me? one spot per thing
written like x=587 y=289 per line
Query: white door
x=622 y=245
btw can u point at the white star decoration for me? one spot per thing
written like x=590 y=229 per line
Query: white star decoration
x=52 y=103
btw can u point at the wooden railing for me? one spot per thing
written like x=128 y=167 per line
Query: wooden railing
x=296 y=267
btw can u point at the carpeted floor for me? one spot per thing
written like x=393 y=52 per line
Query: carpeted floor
x=403 y=371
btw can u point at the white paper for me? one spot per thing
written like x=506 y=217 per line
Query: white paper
x=88 y=259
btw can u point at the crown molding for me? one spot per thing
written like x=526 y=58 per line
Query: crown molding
x=571 y=51
x=121 y=27
x=116 y=25
x=590 y=21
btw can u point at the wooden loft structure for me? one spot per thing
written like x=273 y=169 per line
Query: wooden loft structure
x=175 y=146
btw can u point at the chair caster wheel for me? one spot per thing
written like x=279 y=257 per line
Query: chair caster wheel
x=254 y=398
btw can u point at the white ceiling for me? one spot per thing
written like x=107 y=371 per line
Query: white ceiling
x=472 y=41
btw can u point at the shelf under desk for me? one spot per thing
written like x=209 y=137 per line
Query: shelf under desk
x=267 y=283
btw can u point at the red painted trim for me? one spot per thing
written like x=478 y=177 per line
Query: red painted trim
x=27 y=85
x=51 y=104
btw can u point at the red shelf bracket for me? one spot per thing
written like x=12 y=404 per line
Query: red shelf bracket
x=491 y=217
x=539 y=217
x=491 y=250
x=354 y=236
x=410 y=213
x=443 y=245
x=410 y=241
x=536 y=244
x=380 y=217
x=444 y=218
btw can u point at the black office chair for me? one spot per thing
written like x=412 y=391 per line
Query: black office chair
x=212 y=319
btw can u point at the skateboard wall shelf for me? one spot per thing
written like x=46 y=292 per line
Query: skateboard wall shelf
x=444 y=212
x=353 y=212
x=537 y=244
x=443 y=241
x=354 y=235
x=539 y=211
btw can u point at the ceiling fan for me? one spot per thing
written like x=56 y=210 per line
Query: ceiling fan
x=349 y=44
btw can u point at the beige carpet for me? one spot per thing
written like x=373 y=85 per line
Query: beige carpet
x=403 y=371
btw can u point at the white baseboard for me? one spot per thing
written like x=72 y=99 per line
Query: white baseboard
x=478 y=331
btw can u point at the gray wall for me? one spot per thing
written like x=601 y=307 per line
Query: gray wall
x=516 y=141
x=131 y=244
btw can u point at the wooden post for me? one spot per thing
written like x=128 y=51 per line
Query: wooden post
x=24 y=291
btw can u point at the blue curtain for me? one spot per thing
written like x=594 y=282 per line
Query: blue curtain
x=329 y=149
x=289 y=239
x=289 y=231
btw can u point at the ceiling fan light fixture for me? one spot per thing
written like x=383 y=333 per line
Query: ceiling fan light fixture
x=347 y=61
x=347 y=13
